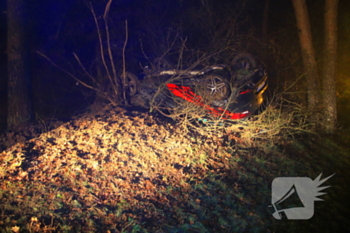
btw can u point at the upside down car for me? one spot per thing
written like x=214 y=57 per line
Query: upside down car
x=229 y=92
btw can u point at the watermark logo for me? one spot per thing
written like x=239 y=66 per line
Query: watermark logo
x=293 y=197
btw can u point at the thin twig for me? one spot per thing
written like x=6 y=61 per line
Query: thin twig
x=101 y=44
x=65 y=71
x=110 y=55
x=124 y=63
x=83 y=67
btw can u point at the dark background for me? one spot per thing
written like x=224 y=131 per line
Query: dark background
x=59 y=28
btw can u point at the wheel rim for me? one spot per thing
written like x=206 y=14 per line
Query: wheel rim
x=218 y=88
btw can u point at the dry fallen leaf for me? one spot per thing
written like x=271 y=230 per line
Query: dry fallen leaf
x=15 y=229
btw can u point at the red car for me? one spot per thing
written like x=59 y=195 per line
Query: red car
x=229 y=92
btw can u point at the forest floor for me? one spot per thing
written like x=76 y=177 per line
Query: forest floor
x=119 y=170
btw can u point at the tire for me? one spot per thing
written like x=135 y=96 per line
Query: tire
x=130 y=83
x=244 y=61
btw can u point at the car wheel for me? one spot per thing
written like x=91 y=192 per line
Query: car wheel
x=216 y=88
x=130 y=83
x=244 y=61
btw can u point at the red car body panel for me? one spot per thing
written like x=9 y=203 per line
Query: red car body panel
x=187 y=94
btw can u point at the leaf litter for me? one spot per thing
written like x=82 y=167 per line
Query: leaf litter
x=117 y=170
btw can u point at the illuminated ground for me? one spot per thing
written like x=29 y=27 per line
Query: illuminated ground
x=123 y=171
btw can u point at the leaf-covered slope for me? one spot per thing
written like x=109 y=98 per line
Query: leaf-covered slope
x=108 y=171
x=122 y=170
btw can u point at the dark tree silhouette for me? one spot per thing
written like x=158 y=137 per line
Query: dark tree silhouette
x=308 y=52
x=329 y=105
x=330 y=65
x=19 y=104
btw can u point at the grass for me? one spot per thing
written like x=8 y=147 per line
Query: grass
x=120 y=171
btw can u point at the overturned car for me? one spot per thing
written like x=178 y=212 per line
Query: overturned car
x=228 y=92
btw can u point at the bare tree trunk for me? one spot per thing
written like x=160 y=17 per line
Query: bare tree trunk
x=19 y=104
x=308 y=52
x=330 y=66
